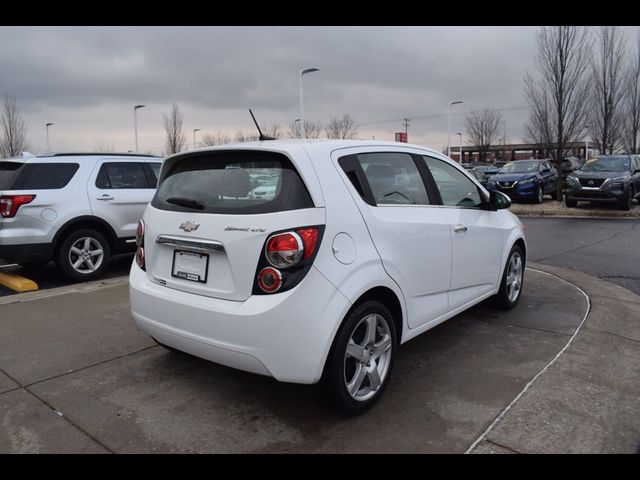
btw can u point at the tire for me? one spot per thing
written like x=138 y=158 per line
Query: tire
x=570 y=203
x=342 y=367
x=505 y=298
x=540 y=198
x=85 y=242
x=625 y=203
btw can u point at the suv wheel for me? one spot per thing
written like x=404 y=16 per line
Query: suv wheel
x=625 y=203
x=361 y=359
x=570 y=203
x=540 y=196
x=512 y=280
x=83 y=255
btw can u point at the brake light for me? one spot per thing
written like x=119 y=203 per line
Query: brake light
x=9 y=204
x=309 y=238
x=284 y=250
x=140 y=233
x=140 y=258
x=287 y=258
x=269 y=280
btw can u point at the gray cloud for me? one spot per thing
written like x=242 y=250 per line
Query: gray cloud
x=86 y=79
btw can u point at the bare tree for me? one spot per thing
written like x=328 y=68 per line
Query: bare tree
x=216 y=138
x=13 y=135
x=632 y=104
x=343 y=128
x=606 y=118
x=274 y=130
x=104 y=147
x=176 y=138
x=484 y=129
x=558 y=95
x=241 y=136
x=311 y=129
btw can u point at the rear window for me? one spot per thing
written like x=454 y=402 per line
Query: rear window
x=238 y=182
x=8 y=172
x=38 y=176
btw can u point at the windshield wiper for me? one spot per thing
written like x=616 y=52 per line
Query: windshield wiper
x=185 y=202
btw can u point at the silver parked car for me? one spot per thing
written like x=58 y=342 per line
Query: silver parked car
x=78 y=209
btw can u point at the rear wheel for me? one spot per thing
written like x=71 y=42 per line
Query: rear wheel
x=83 y=255
x=512 y=280
x=361 y=359
x=625 y=203
x=540 y=196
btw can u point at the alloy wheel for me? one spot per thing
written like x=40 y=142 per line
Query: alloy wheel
x=367 y=357
x=86 y=255
x=514 y=277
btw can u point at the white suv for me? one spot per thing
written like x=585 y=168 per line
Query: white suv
x=77 y=209
x=362 y=246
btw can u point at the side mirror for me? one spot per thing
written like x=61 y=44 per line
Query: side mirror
x=498 y=200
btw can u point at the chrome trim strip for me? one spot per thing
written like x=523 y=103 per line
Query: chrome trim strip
x=191 y=243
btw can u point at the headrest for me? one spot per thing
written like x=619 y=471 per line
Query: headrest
x=380 y=171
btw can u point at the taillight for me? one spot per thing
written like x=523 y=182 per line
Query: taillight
x=284 y=250
x=140 y=257
x=288 y=256
x=140 y=233
x=9 y=204
x=269 y=280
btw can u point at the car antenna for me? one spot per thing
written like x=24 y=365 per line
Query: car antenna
x=262 y=136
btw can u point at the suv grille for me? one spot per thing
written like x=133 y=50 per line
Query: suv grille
x=591 y=182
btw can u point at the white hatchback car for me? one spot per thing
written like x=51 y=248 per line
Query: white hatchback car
x=363 y=246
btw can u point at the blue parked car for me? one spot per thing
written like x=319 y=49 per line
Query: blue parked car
x=525 y=180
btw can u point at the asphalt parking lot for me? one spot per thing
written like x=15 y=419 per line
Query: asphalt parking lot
x=76 y=376
x=75 y=381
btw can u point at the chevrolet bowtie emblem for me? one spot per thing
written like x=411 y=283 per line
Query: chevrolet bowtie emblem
x=189 y=226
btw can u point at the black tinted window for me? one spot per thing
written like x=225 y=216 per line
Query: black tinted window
x=118 y=175
x=44 y=176
x=393 y=178
x=234 y=182
x=8 y=172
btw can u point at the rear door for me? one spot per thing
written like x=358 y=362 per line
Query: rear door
x=476 y=234
x=119 y=191
x=205 y=232
x=409 y=233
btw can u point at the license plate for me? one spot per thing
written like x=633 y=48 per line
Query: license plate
x=190 y=266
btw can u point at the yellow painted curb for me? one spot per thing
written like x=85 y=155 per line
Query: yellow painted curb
x=17 y=283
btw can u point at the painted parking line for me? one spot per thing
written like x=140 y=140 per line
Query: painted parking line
x=17 y=283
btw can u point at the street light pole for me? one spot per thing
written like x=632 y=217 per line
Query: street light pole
x=449 y=131
x=304 y=71
x=194 y=137
x=47 y=126
x=460 y=156
x=135 y=124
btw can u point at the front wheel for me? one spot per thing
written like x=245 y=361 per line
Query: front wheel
x=361 y=359
x=84 y=255
x=626 y=202
x=512 y=280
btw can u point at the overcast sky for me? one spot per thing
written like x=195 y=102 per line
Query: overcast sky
x=86 y=79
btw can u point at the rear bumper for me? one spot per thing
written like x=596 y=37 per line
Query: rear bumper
x=285 y=335
x=26 y=253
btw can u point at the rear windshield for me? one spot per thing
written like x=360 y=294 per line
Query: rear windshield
x=8 y=172
x=238 y=182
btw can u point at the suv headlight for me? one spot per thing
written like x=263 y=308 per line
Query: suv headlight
x=528 y=181
x=616 y=182
x=572 y=180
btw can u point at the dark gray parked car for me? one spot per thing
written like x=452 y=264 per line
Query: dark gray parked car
x=608 y=178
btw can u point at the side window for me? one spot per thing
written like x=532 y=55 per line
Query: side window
x=456 y=190
x=46 y=176
x=119 y=175
x=394 y=178
x=155 y=167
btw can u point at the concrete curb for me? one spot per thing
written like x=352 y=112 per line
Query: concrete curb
x=586 y=400
x=52 y=292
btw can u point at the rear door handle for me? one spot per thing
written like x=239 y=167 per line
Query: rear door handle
x=105 y=197
x=460 y=228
